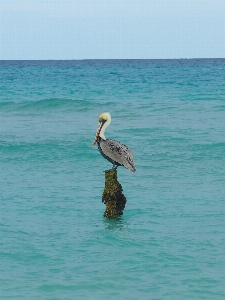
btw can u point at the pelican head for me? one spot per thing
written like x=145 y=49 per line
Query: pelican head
x=103 y=122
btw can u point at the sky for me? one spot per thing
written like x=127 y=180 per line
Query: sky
x=111 y=29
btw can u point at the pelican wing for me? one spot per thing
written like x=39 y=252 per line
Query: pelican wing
x=119 y=153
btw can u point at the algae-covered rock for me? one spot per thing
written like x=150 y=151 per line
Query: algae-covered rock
x=112 y=196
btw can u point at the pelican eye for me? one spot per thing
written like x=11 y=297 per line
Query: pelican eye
x=102 y=120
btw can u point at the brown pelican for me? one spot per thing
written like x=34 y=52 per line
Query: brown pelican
x=115 y=152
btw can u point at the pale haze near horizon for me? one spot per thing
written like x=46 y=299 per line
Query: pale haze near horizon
x=103 y=29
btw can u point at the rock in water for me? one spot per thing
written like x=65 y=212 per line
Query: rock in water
x=112 y=196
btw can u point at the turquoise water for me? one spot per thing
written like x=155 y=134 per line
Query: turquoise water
x=55 y=242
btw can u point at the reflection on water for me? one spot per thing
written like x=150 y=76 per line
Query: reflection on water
x=115 y=224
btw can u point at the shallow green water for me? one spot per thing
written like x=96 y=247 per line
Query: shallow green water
x=55 y=243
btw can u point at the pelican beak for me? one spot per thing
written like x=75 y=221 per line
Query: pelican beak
x=98 y=132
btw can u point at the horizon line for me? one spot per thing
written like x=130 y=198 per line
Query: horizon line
x=83 y=59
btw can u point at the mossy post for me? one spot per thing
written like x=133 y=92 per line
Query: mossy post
x=112 y=196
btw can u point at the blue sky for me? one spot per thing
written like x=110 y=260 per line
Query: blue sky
x=95 y=29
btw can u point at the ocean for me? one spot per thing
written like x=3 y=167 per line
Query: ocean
x=170 y=241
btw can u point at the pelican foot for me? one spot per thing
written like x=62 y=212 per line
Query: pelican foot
x=110 y=170
x=113 y=168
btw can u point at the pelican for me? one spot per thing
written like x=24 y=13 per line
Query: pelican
x=115 y=152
